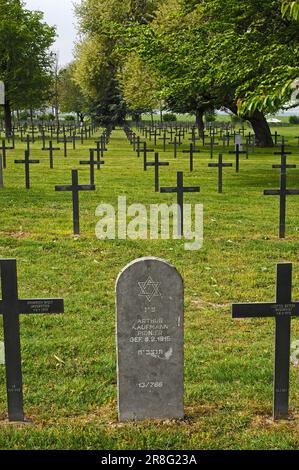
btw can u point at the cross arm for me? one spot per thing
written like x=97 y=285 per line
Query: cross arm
x=284 y=166
x=272 y=192
x=86 y=187
x=64 y=188
x=168 y=190
x=284 y=153
x=195 y=189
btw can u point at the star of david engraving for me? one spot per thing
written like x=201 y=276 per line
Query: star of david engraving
x=149 y=289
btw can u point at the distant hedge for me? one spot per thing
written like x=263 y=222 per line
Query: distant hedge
x=294 y=120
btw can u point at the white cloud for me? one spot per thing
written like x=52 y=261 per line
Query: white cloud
x=59 y=13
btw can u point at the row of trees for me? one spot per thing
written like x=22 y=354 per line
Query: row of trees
x=29 y=69
x=190 y=55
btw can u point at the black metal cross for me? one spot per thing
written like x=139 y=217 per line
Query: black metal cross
x=275 y=135
x=282 y=310
x=164 y=139
x=180 y=189
x=191 y=153
x=138 y=147
x=283 y=192
x=211 y=144
x=27 y=162
x=65 y=140
x=51 y=149
x=283 y=150
x=145 y=152
x=92 y=163
x=75 y=188
x=156 y=164
x=175 y=144
x=237 y=152
x=10 y=308
x=3 y=149
x=220 y=165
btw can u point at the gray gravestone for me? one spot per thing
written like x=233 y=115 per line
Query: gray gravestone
x=150 y=341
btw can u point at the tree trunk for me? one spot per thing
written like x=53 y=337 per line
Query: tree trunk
x=7 y=118
x=200 y=122
x=261 y=129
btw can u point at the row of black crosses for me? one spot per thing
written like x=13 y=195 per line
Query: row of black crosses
x=141 y=148
x=75 y=187
x=177 y=131
x=53 y=131
x=11 y=307
x=137 y=145
x=179 y=189
x=51 y=149
x=70 y=133
x=283 y=191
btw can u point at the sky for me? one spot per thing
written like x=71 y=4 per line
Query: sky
x=59 y=13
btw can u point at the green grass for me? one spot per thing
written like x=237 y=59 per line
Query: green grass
x=228 y=364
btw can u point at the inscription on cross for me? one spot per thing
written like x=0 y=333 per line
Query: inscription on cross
x=10 y=308
x=282 y=310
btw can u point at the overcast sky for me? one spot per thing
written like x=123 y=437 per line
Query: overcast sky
x=59 y=13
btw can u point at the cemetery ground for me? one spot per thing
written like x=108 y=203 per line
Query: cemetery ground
x=69 y=361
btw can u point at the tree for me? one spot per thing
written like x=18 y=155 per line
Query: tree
x=275 y=91
x=25 y=61
x=139 y=86
x=70 y=96
x=290 y=8
x=98 y=62
x=215 y=53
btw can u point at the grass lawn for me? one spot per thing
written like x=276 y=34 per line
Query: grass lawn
x=69 y=368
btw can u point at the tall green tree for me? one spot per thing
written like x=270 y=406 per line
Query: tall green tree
x=216 y=53
x=98 y=62
x=25 y=60
x=70 y=96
